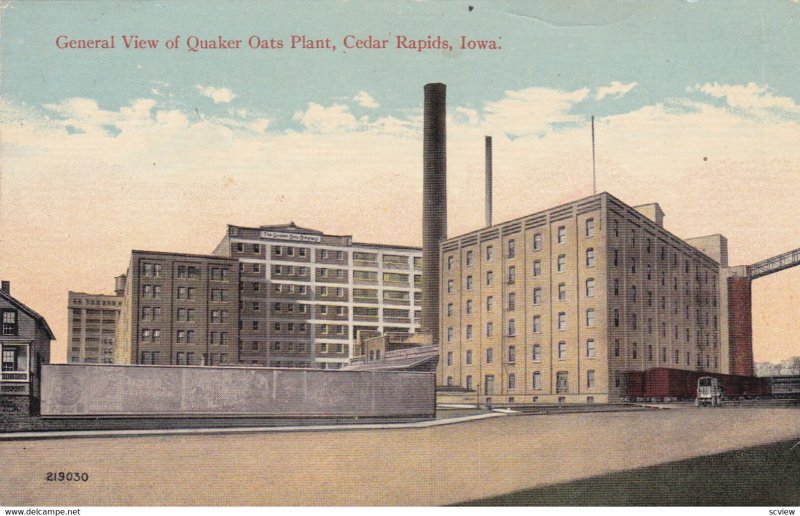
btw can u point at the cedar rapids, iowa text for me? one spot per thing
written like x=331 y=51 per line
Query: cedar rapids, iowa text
x=194 y=43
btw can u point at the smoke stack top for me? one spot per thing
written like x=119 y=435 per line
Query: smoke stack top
x=434 y=202
x=488 y=181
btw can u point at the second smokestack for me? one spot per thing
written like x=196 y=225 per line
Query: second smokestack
x=434 y=203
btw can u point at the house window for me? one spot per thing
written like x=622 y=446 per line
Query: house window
x=10 y=326
x=589 y=228
x=562 y=234
x=590 y=348
x=537 y=296
x=562 y=292
x=561 y=264
x=590 y=257
x=562 y=320
x=537 y=242
x=590 y=287
x=537 y=380
x=590 y=317
x=562 y=350
x=489 y=329
x=9 y=360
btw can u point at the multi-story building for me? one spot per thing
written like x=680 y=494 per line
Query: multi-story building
x=92 y=323
x=558 y=305
x=24 y=346
x=179 y=309
x=304 y=295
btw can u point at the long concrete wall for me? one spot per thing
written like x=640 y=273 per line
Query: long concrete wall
x=88 y=390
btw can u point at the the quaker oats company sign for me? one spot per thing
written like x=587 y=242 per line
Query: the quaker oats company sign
x=276 y=235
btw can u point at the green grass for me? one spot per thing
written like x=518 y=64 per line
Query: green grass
x=759 y=476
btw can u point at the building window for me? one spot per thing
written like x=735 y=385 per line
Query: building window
x=489 y=278
x=537 y=296
x=537 y=268
x=562 y=321
x=512 y=354
x=616 y=347
x=590 y=378
x=616 y=317
x=634 y=351
x=489 y=329
x=561 y=264
x=512 y=381
x=537 y=324
x=562 y=350
x=562 y=291
x=489 y=303
x=590 y=287
x=489 y=252
x=590 y=348
x=469 y=306
x=590 y=317
x=512 y=328
x=562 y=382
x=469 y=332
x=489 y=355
x=633 y=264
x=512 y=275
x=537 y=353
x=615 y=259
x=469 y=357
x=537 y=242
x=590 y=257
x=512 y=248
x=537 y=380
x=633 y=293
x=450 y=263
x=449 y=358
x=469 y=258
x=469 y=382
x=561 y=234
x=589 y=228
x=449 y=286
x=469 y=282
x=449 y=309
x=512 y=301
x=450 y=334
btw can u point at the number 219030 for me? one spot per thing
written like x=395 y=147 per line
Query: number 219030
x=61 y=476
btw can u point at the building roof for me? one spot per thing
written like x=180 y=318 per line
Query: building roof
x=185 y=255
x=291 y=227
x=26 y=309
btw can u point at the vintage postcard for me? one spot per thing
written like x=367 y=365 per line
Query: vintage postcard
x=399 y=253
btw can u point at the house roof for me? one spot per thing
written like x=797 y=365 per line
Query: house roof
x=24 y=308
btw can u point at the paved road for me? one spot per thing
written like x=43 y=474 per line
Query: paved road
x=430 y=466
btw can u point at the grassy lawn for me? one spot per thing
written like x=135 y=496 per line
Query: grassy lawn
x=760 y=476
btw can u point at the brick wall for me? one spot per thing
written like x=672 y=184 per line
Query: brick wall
x=741 y=326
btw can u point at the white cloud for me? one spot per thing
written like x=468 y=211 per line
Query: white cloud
x=532 y=111
x=615 y=89
x=328 y=119
x=364 y=99
x=751 y=96
x=218 y=95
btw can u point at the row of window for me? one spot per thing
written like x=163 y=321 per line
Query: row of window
x=536 y=353
x=561 y=325
x=511 y=245
x=562 y=381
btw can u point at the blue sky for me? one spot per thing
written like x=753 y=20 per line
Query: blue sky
x=104 y=151
x=663 y=46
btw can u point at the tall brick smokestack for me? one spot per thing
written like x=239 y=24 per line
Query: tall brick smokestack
x=434 y=203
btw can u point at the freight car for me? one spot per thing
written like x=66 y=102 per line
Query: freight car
x=661 y=383
x=785 y=387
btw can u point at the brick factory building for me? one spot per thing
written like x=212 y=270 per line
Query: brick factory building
x=179 y=309
x=304 y=295
x=558 y=305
